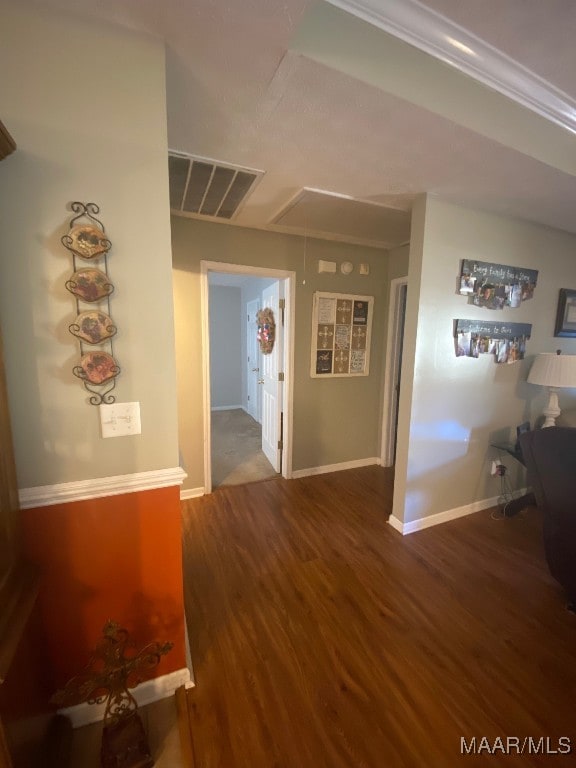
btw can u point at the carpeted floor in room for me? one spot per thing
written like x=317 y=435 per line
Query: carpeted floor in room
x=237 y=455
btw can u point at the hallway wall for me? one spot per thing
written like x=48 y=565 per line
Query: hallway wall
x=226 y=360
x=86 y=105
x=335 y=420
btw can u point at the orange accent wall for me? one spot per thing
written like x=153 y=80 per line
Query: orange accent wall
x=117 y=557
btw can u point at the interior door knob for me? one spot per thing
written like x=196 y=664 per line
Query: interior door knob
x=260 y=381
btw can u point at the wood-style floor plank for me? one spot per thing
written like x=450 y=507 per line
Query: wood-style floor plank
x=321 y=638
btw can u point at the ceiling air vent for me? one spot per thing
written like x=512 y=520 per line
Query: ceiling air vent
x=206 y=188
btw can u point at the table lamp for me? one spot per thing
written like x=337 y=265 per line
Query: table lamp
x=553 y=370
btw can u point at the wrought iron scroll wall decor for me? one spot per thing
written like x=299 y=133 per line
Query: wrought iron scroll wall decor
x=92 y=288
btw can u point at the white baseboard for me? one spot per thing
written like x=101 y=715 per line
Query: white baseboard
x=145 y=693
x=335 y=467
x=192 y=493
x=227 y=408
x=81 y=490
x=441 y=517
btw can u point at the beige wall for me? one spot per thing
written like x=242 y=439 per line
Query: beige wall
x=452 y=408
x=398 y=259
x=334 y=420
x=86 y=106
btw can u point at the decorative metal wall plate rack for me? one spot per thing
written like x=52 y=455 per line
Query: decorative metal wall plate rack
x=91 y=287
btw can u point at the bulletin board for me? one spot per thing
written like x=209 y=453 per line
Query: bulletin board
x=341 y=331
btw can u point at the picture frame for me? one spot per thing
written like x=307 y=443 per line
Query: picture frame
x=341 y=335
x=566 y=314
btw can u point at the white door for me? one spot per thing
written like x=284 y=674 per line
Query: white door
x=253 y=361
x=270 y=368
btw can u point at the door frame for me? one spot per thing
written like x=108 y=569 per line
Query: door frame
x=289 y=278
x=391 y=371
x=249 y=370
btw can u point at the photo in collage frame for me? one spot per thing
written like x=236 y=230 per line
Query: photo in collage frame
x=505 y=341
x=496 y=286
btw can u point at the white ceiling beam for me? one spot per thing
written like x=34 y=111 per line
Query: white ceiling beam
x=429 y=31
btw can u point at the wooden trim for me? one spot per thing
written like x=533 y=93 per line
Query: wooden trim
x=192 y=493
x=391 y=371
x=442 y=517
x=227 y=408
x=206 y=396
x=355 y=464
x=9 y=507
x=17 y=598
x=5 y=759
x=7 y=143
x=289 y=278
x=145 y=693
x=82 y=490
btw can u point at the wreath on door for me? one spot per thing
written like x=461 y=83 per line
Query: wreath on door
x=266 y=330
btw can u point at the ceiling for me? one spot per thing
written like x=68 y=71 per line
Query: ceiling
x=247 y=85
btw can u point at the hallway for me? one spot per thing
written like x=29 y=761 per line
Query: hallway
x=237 y=455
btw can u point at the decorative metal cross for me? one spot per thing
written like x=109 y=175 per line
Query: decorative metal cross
x=110 y=672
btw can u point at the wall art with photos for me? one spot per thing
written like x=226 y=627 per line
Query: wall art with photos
x=496 y=286
x=566 y=313
x=505 y=341
x=341 y=329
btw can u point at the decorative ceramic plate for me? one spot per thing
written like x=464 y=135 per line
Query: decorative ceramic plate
x=90 y=284
x=93 y=327
x=87 y=241
x=97 y=368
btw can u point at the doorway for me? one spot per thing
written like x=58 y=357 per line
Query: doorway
x=393 y=367
x=247 y=394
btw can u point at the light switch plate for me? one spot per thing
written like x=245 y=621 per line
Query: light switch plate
x=364 y=269
x=120 y=419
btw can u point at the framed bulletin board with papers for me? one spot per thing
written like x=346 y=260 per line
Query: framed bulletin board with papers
x=341 y=329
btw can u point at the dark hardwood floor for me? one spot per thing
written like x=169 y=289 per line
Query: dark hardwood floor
x=322 y=638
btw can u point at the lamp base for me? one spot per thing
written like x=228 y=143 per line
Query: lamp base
x=552 y=410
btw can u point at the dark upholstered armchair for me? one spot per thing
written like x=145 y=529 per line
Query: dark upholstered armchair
x=550 y=457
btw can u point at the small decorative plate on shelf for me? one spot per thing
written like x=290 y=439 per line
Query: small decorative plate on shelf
x=90 y=284
x=97 y=368
x=87 y=241
x=93 y=327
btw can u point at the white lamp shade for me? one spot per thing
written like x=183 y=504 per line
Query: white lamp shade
x=552 y=370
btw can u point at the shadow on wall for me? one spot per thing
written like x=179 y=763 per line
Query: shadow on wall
x=118 y=558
